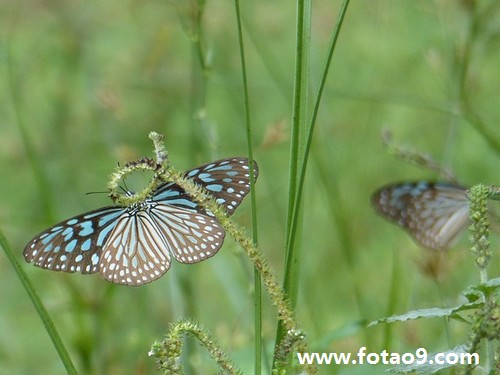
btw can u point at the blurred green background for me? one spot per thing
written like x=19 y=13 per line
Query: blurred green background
x=83 y=82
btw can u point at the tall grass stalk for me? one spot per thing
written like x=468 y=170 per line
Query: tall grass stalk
x=191 y=16
x=479 y=23
x=39 y=306
x=248 y=124
x=299 y=111
x=297 y=176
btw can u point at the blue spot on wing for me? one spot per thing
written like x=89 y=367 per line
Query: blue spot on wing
x=181 y=202
x=206 y=177
x=49 y=237
x=193 y=172
x=222 y=168
x=104 y=234
x=86 y=244
x=67 y=233
x=70 y=247
x=87 y=228
x=107 y=218
x=214 y=187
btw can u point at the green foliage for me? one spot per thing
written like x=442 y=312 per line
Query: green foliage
x=84 y=82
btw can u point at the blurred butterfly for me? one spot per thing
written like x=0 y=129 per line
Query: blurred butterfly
x=433 y=213
x=134 y=245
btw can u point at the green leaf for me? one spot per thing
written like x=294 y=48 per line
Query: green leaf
x=478 y=291
x=428 y=313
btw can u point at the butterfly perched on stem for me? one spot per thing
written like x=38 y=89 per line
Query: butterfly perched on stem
x=133 y=245
x=433 y=213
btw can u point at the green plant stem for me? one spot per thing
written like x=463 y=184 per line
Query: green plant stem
x=477 y=23
x=39 y=307
x=296 y=189
x=191 y=15
x=312 y=125
x=292 y=256
x=257 y=278
x=483 y=275
x=276 y=294
x=168 y=352
x=481 y=250
x=199 y=130
x=163 y=172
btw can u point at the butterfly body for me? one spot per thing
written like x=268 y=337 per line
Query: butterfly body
x=134 y=245
x=433 y=213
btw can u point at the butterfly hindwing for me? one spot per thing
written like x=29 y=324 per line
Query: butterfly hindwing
x=190 y=236
x=434 y=214
x=136 y=252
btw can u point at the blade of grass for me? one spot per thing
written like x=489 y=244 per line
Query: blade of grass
x=296 y=187
x=200 y=74
x=191 y=15
x=393 y=299
x=39 y=307
x=257 y=278
x=301 y=80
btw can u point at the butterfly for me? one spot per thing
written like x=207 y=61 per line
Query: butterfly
x=433 y=213
x=134 y=245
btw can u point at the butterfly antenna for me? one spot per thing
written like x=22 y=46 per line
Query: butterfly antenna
x=96 y=192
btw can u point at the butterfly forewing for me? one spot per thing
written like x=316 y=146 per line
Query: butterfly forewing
x=73 y=245
x=435 y=214
x=227 y=180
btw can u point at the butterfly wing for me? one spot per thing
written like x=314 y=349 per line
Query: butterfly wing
x=138 y=250
x=190 y=236
x=228 y=180
x=73 y=245
x=434 y=214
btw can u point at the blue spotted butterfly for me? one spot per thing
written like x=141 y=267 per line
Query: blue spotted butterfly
x=434 y=214
x=134 y=245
